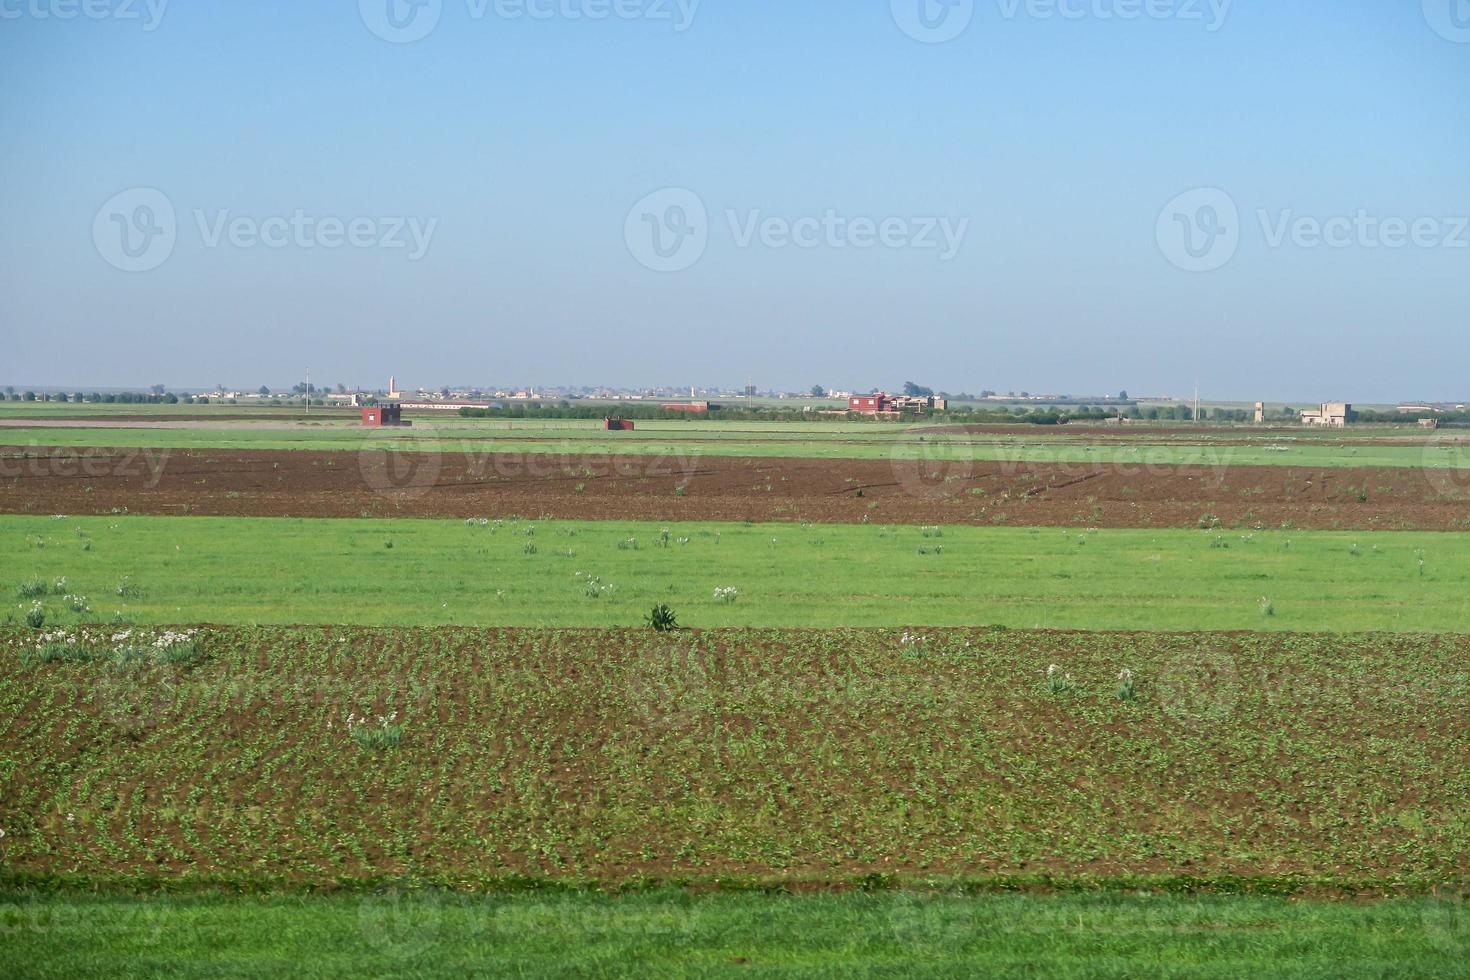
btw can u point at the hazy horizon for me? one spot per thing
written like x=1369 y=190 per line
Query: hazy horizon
x=1078 y=196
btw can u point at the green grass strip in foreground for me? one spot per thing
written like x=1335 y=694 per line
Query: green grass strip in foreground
x=664 y=933
x=581 y=573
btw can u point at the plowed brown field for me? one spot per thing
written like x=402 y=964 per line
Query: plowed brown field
x=340 y=484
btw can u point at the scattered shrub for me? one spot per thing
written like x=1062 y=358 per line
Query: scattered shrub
x=662 y=619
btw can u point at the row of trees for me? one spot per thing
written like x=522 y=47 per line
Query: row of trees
x=121 y=398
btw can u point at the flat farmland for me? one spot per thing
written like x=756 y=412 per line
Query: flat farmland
x=901 y=490
x=608 y=573
x=937 y=692
x=781 y=758
x=1072 y=444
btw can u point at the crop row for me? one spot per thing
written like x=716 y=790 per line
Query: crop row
x=614 y=756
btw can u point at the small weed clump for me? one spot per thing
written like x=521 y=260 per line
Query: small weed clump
x=594 y=587
x=1127 y=690
x=31 y=589
x=380 y=736
x=662 y=619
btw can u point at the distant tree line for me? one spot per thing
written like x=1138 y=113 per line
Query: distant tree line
x=109 y=398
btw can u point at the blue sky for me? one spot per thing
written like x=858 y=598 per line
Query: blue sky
x=1063 y=148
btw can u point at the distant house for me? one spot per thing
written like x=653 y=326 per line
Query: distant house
x=878 y=403
x=881 y=403
x=1335 y=415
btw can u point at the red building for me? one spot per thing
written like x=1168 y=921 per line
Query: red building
x=374 y=416
x=618 y=425
x=874 y=404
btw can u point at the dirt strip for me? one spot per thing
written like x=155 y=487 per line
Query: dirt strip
x=283 y=483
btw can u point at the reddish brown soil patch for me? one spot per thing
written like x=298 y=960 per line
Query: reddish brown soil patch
x=338 y=484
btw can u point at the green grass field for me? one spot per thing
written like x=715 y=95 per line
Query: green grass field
x=427 y=572
x=418 y=934
x=814 y=440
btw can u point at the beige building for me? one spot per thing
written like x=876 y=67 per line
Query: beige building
x=1334 y=415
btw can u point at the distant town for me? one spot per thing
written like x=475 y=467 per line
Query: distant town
x=908 y=400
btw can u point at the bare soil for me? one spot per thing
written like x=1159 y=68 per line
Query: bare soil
x=293 y=483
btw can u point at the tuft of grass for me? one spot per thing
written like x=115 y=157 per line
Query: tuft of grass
x=32 y=588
